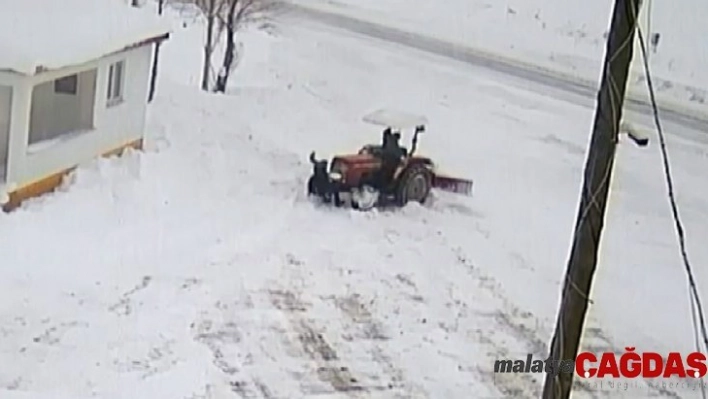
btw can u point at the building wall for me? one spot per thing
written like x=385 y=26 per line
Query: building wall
x=114 y=126
x=54 y=114
x=7 y=78
x=5 y=104
x=128 y=118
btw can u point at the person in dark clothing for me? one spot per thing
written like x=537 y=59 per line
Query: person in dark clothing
x=387 y=133
x=391 y=156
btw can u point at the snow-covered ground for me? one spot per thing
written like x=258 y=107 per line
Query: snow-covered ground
x=198 y=270
x=566 y=37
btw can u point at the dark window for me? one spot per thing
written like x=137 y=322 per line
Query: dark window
x=67 y=85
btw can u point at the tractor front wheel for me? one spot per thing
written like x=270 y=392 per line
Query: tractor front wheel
x=364 y=198
x=414 y=185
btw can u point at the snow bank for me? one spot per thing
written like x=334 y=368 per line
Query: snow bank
x=54 y=34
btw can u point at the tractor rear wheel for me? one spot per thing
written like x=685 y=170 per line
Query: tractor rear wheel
x=414 y=185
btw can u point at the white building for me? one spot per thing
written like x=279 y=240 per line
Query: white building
x=74 y=77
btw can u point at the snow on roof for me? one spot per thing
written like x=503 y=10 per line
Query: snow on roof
x=395 y=119
x=51 y=34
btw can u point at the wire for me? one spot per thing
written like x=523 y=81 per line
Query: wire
x=696 y=304
x=697 y=314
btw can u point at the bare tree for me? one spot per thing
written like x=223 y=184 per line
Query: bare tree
x=229 y=16
x=211 y=9
x=238 y=14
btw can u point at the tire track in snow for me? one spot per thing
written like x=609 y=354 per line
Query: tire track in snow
x=512 y=321
x=332 y=355
x=527 y=328
x=486 y=333
x=236 y=348
x=518 y=323
x=504 y=329
x=311 y=338
x=371 y=329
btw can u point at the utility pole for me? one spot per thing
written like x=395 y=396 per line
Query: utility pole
x=593 y=198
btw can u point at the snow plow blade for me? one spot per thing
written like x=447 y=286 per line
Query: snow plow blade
x=453 y=184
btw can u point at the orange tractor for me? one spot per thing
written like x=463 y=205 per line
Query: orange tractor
x=382 y=174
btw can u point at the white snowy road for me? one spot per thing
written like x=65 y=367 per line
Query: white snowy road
x=199 y=270
x=565 y=40
x=543 y=81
